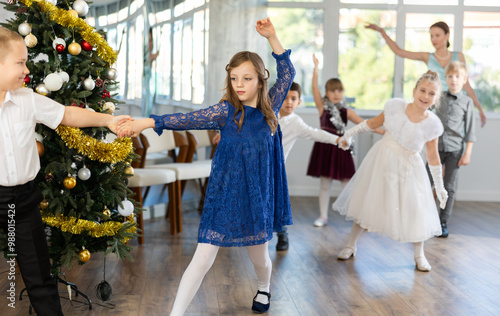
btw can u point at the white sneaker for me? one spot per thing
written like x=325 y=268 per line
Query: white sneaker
x=320 y=222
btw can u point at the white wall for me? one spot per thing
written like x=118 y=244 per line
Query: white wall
x=480 y=181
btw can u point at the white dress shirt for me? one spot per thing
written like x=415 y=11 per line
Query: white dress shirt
x=293 y=127
x=19 y=113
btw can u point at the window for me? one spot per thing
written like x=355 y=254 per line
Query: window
x=366 y=63
x=300 y=30
x=181 y=39
x=481 y=49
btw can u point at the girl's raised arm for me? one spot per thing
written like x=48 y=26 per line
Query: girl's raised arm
x=266 y=28
x=318 y=100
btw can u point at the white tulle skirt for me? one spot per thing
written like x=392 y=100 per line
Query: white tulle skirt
x=391 y=194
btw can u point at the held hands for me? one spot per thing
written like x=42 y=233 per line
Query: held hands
x=344 y=142
x=132 y=128
x=116 y=121
x=265 y=28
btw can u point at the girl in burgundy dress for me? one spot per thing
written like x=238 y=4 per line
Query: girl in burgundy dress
x=328 y=162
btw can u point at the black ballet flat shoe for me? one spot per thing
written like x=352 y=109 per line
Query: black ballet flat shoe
x=282 y=244
x=258 y=307
x=444 y=234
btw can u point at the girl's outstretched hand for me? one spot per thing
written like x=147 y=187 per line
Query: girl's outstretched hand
x=373 y=27
x=265 y=28
x=315 y=61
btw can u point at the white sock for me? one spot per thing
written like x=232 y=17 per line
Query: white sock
x=259 y=255
x=202 y=261
x=324 y=196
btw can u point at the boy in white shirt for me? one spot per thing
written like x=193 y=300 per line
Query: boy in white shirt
x=292 y=128
x=20 y=110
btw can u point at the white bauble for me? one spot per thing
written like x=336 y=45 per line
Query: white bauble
x=24 y=29
x=89 y=83
x=84 y=173
x=64 y=76
x=53 y=82
x=108 y=107
x=89 y=108
x=127 y=209
x=54 y=2
x=81 y=7
x=30 y=40
x=58 y=41
x=112 y=74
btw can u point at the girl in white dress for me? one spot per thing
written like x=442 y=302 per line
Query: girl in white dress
x=390 y=194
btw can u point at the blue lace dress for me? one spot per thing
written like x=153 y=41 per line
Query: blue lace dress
x=247 y=194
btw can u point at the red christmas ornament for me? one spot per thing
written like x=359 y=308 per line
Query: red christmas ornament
x=106 y=94
x=26 y=79
x=86 y=46
x=60 y=48
x=99 y=82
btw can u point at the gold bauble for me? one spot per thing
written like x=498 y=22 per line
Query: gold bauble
x=106 y=211
x=40 y=148
x=73 y=13
x=129 y=170
x=84 y=255
x=30 y=40
x=44 y=204
x=74 y=48
x=69 y=182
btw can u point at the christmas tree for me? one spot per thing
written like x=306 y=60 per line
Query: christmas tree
x=83 y=175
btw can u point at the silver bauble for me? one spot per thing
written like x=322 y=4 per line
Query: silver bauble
x=53 y=82
x=108 y=107
x=30 y=40
x=54 y=2
x=42 y=89
x=84 y=173
x=24 y=29
x=89 y=83
x=81 y=7
x=111 y=73
x=127 y=209
x=58 y=41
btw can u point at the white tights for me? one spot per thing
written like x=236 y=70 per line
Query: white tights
x=324 y=195
x=357 y=231
x=203 y=260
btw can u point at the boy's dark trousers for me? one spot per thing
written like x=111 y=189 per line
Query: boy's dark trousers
x=31 y=249
x=450 y=162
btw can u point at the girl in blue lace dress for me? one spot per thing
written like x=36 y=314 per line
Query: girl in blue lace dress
x=247 y=194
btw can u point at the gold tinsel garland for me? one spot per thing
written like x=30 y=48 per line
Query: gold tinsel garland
x=77 y=226
x=94 y=149
x=88 y=33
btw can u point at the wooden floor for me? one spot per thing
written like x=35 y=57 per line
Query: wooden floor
x=307 y=279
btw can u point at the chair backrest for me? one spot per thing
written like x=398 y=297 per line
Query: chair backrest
x=179 y=148
x=139 y=150
x=198 y=141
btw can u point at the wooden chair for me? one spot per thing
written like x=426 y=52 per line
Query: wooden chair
x=183 y=172
x=145 y=178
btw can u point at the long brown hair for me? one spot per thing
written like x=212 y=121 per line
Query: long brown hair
x=263 y=101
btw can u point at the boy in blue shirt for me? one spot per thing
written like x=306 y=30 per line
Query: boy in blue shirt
x=456 y=111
